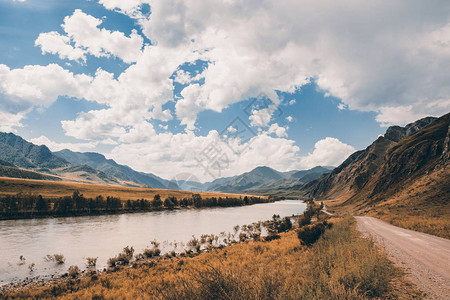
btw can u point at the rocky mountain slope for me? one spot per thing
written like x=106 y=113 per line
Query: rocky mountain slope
x=402 y=178
x=355 y=173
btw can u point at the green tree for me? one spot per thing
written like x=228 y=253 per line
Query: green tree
x=197 y=199
x=41 y=204
x=157 y=203
x=168 y=203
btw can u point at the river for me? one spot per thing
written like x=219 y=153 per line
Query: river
x=105 y=236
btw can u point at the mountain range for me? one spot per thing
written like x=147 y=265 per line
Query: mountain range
x=22 y=159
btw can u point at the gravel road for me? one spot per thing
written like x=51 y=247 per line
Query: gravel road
x=425 y=258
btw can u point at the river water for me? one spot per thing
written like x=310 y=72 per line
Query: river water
x=105 y=236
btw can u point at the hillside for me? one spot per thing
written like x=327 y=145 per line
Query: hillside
x=16 y=151
x=27 y=160
x=113 y=169
x=402 y=177
x=13 y=172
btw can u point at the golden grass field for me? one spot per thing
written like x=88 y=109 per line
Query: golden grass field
x=341 y=265
x=53 y=189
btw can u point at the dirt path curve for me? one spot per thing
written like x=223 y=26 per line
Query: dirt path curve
x=425 y=258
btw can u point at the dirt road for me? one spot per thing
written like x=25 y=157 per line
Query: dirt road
x=425 y=258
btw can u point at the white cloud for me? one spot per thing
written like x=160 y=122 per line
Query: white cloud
x=41 y=85
x=384 y=56
x=83 y=31
x=327 y=152
x=262 y=117
x=184 y=77
x=127 y=7
x=383 y=61
x=55 y=43
x=54 y=146
x=10 y=121
x=165 y=152
x=278 y=130
x=292 y=102
x=289 y=119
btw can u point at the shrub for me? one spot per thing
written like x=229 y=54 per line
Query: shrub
x=91 y=261
x=309 y=234
x=304 y=219
x=272 y=237
x=278 y=225
x=31 y=267
x=73 y=271
x=112 y=262
x=123 y=258
x=59 y=258
x=148 y=253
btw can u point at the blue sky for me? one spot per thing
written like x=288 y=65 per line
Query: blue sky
x=153 y=84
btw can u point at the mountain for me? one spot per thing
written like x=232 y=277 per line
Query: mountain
x=110 y=168
x=16 y=151
x=358 y=169
x=27 y=160
x=410 y=187
x=243 y=182
x=291 y=181
x=265 y=179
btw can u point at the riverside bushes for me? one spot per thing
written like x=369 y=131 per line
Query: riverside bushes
x=23 y=205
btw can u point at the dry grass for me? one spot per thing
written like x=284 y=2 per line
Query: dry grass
x=53 y=189
x=341 y=265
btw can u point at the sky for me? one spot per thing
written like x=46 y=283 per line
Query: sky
x=216 y=88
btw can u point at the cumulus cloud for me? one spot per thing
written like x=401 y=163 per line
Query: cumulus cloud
x=41 y=85
x=185 y=152
x=278 y=130
x=184 y=77
x=327 y=152
x=377 y=56
x=54 y=146
x=383 y=61
x=127 y=7
x=83 y=31
x=55 y=43
x=10 y=121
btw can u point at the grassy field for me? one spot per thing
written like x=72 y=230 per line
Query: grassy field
x=341 y=265
x=11 y=186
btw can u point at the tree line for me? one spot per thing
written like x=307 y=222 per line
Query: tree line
x=26 y=205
